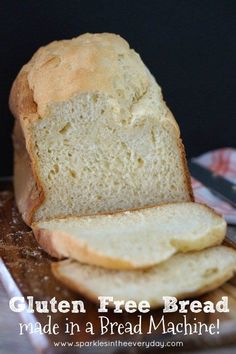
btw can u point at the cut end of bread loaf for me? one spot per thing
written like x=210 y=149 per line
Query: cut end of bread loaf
x=184 y=275
x=106 y=164
x=132 y=239
x=99 y=135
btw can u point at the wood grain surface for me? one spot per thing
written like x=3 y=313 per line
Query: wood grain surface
x=25 y=269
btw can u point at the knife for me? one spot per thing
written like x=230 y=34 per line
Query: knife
x=217 y=184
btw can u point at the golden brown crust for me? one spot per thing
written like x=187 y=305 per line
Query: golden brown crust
x=186 y=171
x=21 y=100
x=27 y=193
x=187 y=177
x=64 y=68
x=28 y=190
x=46 y=240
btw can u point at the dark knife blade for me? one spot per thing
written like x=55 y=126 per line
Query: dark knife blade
x=219 y=185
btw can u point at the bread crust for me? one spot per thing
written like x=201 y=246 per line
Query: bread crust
x=65 y=68
x=186 y=171
x=28 y=194
x=79 y=65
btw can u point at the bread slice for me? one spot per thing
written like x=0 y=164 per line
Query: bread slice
x=132 y=239
x=183 y=275
x=93 y=133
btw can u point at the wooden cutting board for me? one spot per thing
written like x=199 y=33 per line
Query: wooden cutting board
x=25 y=270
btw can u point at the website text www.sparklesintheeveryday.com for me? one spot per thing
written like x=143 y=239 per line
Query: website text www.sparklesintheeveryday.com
x=121 y=344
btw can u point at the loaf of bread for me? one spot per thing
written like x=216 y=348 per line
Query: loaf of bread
x=93 y=133
x=132 y=239
x=183 y=275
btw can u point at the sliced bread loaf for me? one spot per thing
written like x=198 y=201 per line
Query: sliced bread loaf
x=93 y=133
x=182 y=275
x=132 y=239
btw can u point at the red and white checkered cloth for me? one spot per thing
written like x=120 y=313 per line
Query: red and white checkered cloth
x=222 y=161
